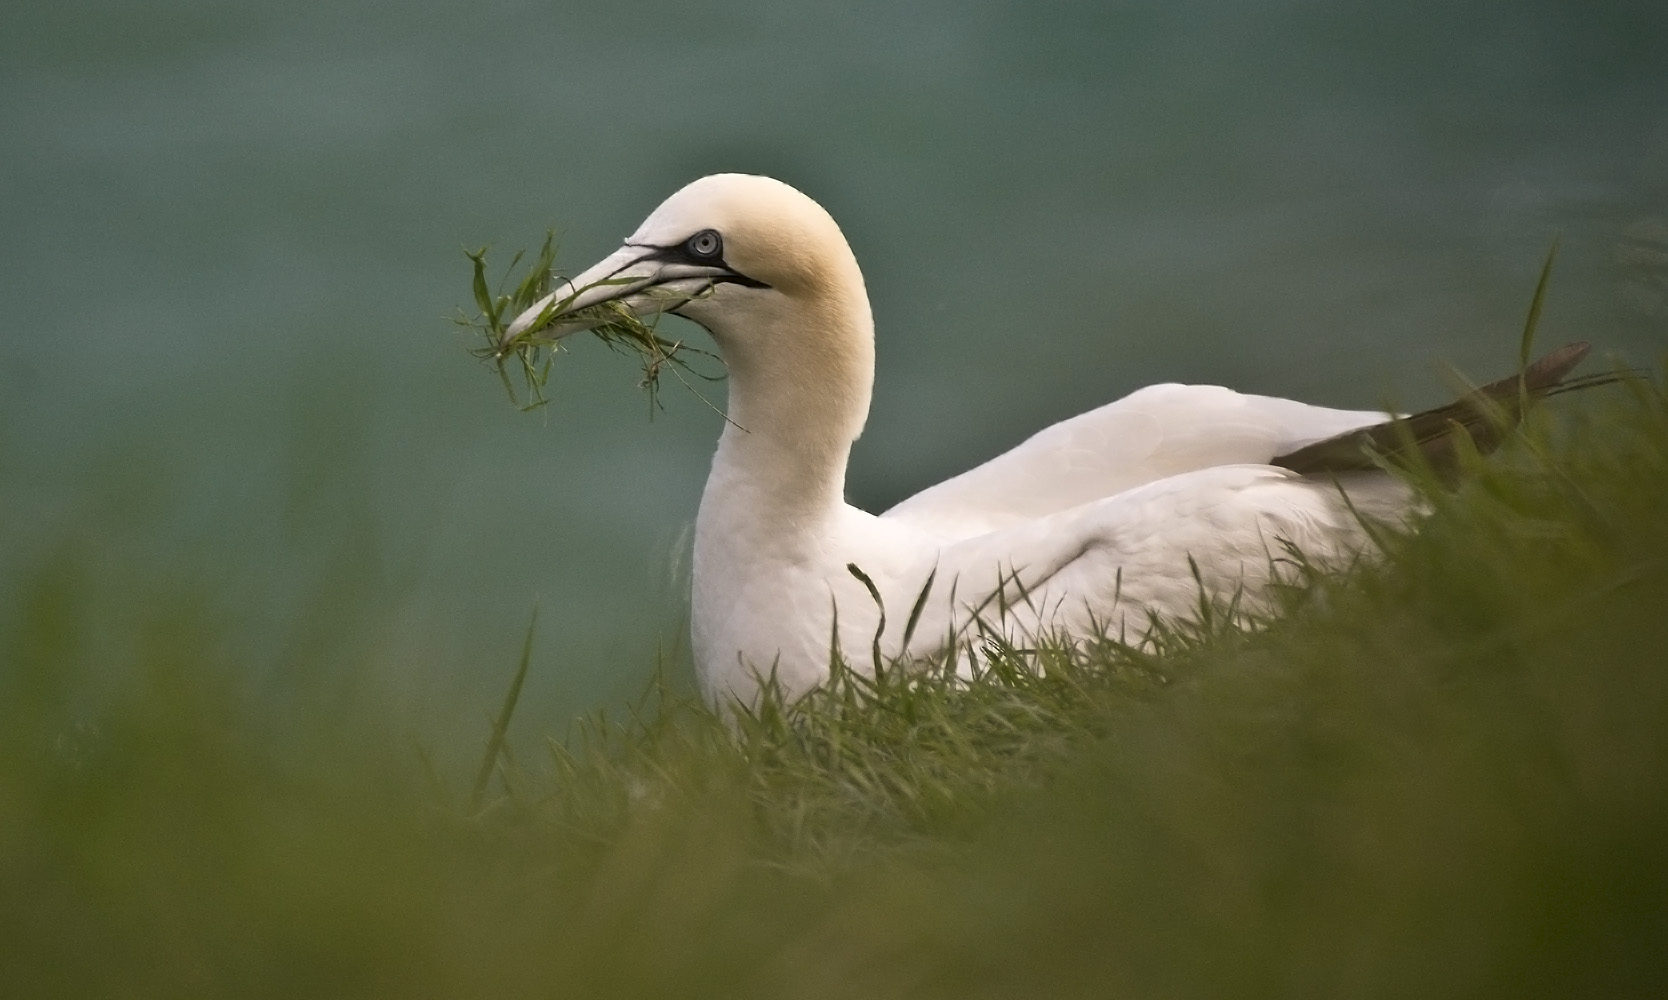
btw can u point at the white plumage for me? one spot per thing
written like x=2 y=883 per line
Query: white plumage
x=1098 y=521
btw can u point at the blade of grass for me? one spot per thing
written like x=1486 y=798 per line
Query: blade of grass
x=495 y=745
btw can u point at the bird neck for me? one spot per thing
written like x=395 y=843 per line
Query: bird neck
x=798 y=397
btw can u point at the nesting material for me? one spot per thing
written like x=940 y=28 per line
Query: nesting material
x=527 y=357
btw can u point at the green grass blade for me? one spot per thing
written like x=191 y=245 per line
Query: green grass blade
x=1526 y=345
x=495 y=744
x=483 y=294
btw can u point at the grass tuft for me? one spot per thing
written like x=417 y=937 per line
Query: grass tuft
x=531 y=352
x=1441 y=774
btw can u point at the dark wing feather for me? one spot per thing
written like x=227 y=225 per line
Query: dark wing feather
x=1485 y=414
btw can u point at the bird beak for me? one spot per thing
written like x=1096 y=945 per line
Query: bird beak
x=633 y=277
x=569 y=309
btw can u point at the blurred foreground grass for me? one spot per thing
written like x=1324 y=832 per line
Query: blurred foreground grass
x=1444 y=776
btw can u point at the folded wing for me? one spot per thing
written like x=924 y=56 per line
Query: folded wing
x=1149 y=435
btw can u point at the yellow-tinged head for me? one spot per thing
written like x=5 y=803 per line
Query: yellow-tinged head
x=767 y=271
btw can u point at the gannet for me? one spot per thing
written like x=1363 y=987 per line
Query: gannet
x=1105 y=521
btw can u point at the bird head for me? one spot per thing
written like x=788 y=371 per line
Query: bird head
x=733 y=252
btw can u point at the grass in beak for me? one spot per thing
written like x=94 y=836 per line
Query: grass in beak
x=530 y=353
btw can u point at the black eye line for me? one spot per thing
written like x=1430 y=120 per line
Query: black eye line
x=635 y=260
x=679 y=253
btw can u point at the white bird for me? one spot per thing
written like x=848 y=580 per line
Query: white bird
x=1101 y=521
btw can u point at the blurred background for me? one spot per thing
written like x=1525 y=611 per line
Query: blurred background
x=233 y=241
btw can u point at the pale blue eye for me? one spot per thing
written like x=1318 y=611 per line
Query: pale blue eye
x=705 y=244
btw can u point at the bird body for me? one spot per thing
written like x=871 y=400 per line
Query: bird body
x=1132 y=511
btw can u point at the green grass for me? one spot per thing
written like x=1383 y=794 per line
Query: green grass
x=1444 y=775
x=531 y=353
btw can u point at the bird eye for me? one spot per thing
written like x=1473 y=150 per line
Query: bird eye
x=705 y=244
